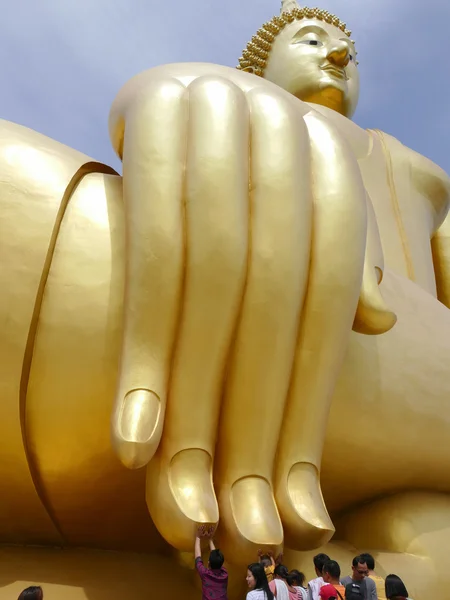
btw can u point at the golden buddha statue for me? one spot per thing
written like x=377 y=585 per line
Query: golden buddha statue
x=266 y=284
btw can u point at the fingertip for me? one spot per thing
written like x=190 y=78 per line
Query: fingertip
x=180 y=496
x=305 y=516
x=190 y=481
x=250 y=518
x=137 y=428
x=373 y=317
x=133 y=455
x=139 y=415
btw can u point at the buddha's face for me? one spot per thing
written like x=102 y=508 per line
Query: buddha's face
x=316 y=62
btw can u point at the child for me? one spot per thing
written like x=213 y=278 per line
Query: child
x=298 y=581
x=215 y=576
x=268 y=563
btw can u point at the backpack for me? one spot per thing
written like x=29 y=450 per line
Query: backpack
x=353 y=591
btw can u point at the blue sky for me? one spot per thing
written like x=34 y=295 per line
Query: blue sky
x=63 y=61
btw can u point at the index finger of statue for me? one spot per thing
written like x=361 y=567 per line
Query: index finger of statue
x=179 y=480
x=154 y=149
x=264 y=347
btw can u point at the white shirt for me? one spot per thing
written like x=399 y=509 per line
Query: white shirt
x=314 y=588
x=303 y=592
x=257 y=595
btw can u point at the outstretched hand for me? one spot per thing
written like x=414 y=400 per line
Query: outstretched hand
x=206 y=531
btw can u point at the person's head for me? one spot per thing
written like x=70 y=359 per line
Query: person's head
x=33 y=592
x=309 y=53
x=359 y=568
x=257 y=579
x=282 y=572
x=331 y=571
x=297 y=578
x=216 y=559
x=395 y=587
x=319 y=560
x=265 y=560
x=370 y=561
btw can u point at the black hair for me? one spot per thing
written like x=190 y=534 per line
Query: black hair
x=266 y=560
x=216 y=559
x=33 y=592
x=369 y=560
x=319 y=560
x=394 y=587
x=359 y=560
x=283 y=572
x=297 y=577
x=332 y=568
x=261 y=583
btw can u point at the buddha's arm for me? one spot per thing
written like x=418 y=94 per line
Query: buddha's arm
x=434 y=184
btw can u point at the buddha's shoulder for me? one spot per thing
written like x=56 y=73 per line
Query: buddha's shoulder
x=361 y=141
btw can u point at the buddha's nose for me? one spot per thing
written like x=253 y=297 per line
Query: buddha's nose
x=339 y=53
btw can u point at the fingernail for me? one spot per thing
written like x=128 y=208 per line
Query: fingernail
x=190 y=481
x=315 y=526
x=254 y=511
x=140 y=414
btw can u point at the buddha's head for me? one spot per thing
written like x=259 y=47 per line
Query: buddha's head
x=309 y=53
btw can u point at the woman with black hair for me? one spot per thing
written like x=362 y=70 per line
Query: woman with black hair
x=283 y=585
x=257 y=583
x=395 y=588
x=33 y=592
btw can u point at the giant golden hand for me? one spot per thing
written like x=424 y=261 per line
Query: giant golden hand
x=246 y=233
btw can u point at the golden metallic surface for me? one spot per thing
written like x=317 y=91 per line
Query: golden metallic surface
x=256 y=314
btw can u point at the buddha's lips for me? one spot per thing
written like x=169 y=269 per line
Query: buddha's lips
x=335 y=71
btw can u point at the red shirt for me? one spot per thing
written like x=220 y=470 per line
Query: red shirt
x=214 y=581
x=329 y=591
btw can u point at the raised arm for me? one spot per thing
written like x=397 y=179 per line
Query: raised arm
x=197 y=548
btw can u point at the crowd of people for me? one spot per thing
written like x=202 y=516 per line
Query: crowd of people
x=270 y=579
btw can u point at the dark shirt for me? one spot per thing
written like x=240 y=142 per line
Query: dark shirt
x=214 y=581
x=368 y=587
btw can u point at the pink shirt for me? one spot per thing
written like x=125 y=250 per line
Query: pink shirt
x=295 y=595
x=214 y=581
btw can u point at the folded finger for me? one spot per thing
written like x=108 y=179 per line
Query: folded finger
x=264 y=348
x=154 y=149
x=180 y=492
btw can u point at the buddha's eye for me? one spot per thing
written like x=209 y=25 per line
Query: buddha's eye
x=311 y=42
